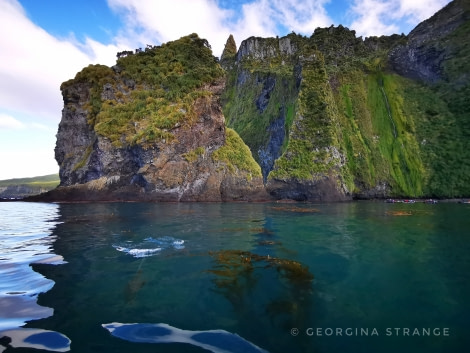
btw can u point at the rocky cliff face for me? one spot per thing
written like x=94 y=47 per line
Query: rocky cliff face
x=330 y=117
x=334 y=116
x=428 y=46
x=188 y=161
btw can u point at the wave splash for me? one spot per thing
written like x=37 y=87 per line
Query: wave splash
x=150 y=246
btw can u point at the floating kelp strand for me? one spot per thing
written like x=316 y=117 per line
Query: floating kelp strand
x=398 y=213
x=295 y=209
x=233 y=259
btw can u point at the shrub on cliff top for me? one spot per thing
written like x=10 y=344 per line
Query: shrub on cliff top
x=178 y=67
x=167 y=80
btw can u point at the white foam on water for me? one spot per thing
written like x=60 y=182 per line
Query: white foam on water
x=138 y=252
x=167 y=242
x=144 y=249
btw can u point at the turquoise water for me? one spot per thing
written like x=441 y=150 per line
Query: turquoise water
x=240 y=277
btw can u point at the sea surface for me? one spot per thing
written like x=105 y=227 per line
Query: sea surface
x=234 y=277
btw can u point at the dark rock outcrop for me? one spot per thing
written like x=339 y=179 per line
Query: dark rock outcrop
x=189 y=167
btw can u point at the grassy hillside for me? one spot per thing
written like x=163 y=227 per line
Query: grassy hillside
x=46 y=181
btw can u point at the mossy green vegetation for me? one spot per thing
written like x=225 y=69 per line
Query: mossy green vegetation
x=243 y=115
x=313 y=136
x=443 y=142
x=236 y=155
x=97 y=76
x=85 y=158
x=413 y=143
x=152 y=91
x=230 y=51
x=193 y=155
x=352 y=115
x=378 y=133
x=261 y=93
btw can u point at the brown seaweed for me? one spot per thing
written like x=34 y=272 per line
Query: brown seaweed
x=398 y=213
x=295 y=209
x=231 y=262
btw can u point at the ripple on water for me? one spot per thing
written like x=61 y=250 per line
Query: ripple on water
x=26 y=239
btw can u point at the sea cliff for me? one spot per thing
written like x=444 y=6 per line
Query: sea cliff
x=152 y=128
x=334 y=116
x=329 y=117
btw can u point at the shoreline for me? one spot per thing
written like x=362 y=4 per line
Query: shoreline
x=38 y=198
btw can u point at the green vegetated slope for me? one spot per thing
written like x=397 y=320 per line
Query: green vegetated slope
x=46 y=181
x=147 y=94
x=313 y=138
x=378 y=135
x=261 y=93
x=445 y=112
x=153 y=90
x=397 y=136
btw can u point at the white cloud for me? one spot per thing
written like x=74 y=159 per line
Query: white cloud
x=8 y=122
x=43 y=127
x=420 y=10
x=302 y=16
x=371 y=18
x=149 y=21
x=27 y=163
x=257 y=20
x=385 y=17
x=26 y=148
x=33 y=63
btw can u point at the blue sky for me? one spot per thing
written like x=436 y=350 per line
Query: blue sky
x=46 y=42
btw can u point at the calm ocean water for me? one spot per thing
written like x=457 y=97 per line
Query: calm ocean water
x=239 y=277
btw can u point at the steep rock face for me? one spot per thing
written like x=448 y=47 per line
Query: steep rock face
x=271 y=103
x=313 y=166
x=428 y=47
x=20 y=191
x=378 y=117
x=186 y=162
